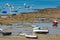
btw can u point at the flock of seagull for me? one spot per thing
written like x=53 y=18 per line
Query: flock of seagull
x=11 y=7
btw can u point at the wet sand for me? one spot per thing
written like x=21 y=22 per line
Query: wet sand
x=29 y=17
x=40 y=37
x=18 y=37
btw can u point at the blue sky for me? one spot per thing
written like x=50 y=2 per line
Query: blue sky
x=36 y=4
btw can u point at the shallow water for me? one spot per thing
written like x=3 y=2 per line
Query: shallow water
x=29 y=30
x=51 y=29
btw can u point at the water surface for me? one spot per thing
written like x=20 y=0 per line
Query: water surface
x=29 y=30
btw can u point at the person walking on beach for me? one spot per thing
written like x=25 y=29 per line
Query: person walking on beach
x=55 y=23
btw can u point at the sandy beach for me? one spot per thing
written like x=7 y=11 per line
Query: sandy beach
x=40 y=37
x=19 y=37
x=31 y=16
x=22 y=18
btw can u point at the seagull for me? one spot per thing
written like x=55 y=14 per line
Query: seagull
x=27 y=6
x=16 y=9
x=7 y=4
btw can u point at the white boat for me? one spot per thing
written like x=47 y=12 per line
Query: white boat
x=40 y=30
x=31 y=36
x=37 y=29
x=4 y=16
x=22 y=34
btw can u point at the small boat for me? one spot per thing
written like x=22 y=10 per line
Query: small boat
x=7 y=33
x=41 y=31
x=22 y=34
x=38 y=30
x=4 y=16
x=31 y=36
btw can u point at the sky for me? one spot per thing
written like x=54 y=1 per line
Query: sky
x=37 y=4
